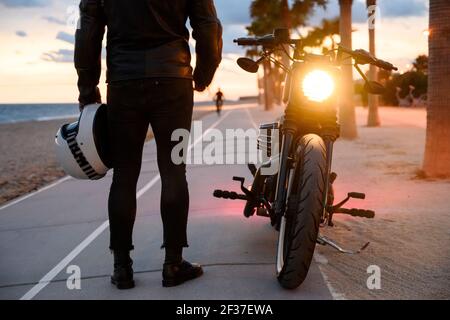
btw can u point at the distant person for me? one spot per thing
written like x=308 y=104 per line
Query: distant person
x=219 y=99
x=149 y=80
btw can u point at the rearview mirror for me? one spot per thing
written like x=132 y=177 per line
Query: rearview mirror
x=374 y=87
x=248 y=65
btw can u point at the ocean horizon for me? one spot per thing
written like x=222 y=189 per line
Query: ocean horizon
x=24 y=112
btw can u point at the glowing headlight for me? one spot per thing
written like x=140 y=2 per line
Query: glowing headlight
x=318 y=86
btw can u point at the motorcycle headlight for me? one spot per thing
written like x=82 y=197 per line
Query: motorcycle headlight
x=318 y=86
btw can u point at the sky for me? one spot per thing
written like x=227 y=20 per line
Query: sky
x=36 y=45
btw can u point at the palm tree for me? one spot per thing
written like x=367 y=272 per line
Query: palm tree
x=346 y=105
x=437 y=150
x=318 y=35
x=287 y=24
x=286 y=14
x=373 y=119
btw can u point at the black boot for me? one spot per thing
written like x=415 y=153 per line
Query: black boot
x=175 y=274
x=122 y=277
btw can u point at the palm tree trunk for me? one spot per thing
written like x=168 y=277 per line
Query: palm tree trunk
x=287 y=24
x=260 y=89
x=437 y=150
x=268 y=87
x=347 y=115
x=373 y=119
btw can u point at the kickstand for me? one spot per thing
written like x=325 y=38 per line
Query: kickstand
x=322 y=240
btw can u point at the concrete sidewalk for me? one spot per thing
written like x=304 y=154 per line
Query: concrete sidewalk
x=64 y=225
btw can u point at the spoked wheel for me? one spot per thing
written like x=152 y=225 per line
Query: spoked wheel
x=300 y=226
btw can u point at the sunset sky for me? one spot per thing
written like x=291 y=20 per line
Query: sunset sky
x=36 y=51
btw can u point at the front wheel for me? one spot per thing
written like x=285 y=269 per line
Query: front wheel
x=300 y=225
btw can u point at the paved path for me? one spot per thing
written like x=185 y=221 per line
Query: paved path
x=66 y=224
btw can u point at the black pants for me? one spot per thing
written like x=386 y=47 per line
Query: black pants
x=166 y=104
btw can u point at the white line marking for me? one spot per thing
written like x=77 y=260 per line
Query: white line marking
x=321 y=261
x=20 y=199
x=251 y=118
x=78 y=249
x=335 y=294
x=64 y=262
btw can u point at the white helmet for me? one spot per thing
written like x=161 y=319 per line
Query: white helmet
x=81 y=147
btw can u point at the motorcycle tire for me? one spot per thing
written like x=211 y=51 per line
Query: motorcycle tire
x=304 y=211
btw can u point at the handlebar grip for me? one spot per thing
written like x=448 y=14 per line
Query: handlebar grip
x=369 y=214
x=385 y=65
x=363 y=57
x=357 y=195
x=246 y=41
x=229 y=195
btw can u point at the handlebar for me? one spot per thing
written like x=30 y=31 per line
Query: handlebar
x=363 y=57
x=280 y=38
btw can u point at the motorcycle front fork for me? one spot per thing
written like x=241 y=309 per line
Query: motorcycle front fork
x=283 y=174
x=329 y=144
x=285 y=166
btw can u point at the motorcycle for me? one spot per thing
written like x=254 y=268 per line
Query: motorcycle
x=299 y=197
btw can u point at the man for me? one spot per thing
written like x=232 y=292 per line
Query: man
x=149 y=82
x=219 y=97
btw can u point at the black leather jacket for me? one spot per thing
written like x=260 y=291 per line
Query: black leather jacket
x=146 y=38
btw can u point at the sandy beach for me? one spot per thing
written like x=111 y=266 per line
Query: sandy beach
x=409 y=237
x=28 y=160
x=27 y=157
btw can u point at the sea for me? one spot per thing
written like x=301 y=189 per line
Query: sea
x=13 y=113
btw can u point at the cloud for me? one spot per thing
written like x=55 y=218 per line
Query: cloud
x=233 y=11
x=54 y=20
x=21 y=33
x=62 y=55
x=66 y=37
x=386 y=9
x=230 y=33
x=404 y=8
x=235 y=16
x=25 y=3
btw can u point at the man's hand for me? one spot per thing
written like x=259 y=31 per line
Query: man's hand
x=199 y=87
x=207 y=31
x=97 y=98
x=81 y=106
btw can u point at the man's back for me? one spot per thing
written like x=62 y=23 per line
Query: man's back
x=145 y=24
x=147 y=38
